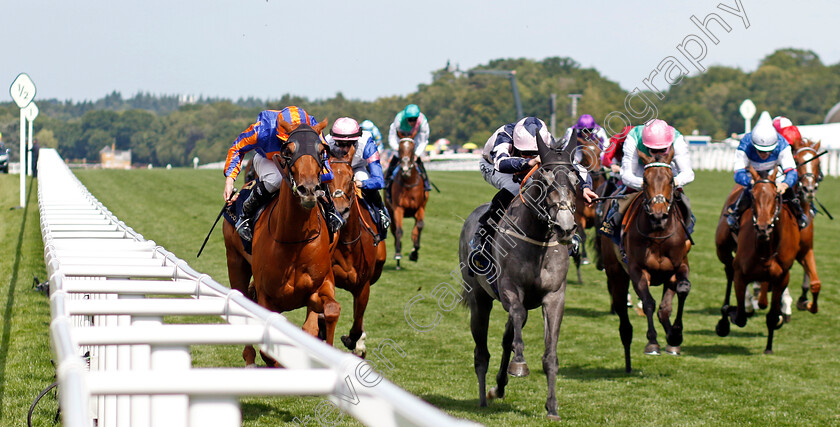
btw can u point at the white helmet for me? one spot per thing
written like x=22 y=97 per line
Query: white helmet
x=525 y=134
x=765 y=137
x=346 y=129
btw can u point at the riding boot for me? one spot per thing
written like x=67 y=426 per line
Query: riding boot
x=389 y=174
x=684 y=204
x=486 y=224
x=334 y=219
x=427 y=184
x=733 y=217
x=373 y=197
x=259 y=195
x=611 y=227
x=797 y=211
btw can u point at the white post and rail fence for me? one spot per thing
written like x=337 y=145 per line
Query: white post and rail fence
x=119 y=364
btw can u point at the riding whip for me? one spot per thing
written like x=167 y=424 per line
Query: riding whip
x=216 y=222
x=620 y=196
x=812 y=158
x=824 y=209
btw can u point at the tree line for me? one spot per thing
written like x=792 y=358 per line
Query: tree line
x=460 y=106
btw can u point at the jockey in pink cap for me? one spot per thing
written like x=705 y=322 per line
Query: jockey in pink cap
x=654 y=138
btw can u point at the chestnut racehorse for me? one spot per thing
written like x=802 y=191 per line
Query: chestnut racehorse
x=806 y=188
x=291 y=256
x=765 y=248
x=407 y=199
x=359 y=256
x=590 y=159
x=657 y=247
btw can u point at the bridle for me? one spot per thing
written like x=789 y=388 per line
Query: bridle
x=816 y=177
x=658 y=198
x=543 y=212
x=353 y=201
x=304 y=147
x=778 y=205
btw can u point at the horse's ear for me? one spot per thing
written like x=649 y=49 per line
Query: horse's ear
x=772 y=175
x=570 y=148
x=754 y=174
x=669 y=156
x=817 y=145
x=545 y=152
x=288 y=127
x=645 y=158
x=278 y=161
x=321 y=126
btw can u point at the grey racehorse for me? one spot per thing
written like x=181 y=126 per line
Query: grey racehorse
x=530 y=262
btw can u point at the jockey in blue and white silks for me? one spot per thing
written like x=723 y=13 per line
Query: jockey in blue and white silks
x=509 y=153
x=764 y=149
x=367 y=170
x=368 y=126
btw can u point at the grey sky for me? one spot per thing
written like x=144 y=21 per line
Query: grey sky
x=84 y=49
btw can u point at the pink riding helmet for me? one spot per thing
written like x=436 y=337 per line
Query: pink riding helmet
x=781 y=122
x=657 y=135
x=346 y=129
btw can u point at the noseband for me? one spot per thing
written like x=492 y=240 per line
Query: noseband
x=778 y=206
x=658 y=198
x=544 y=213
x=305 y=146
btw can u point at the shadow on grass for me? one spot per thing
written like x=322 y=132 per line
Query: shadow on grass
x=253 y=411
x=471 y=405
x=714 y=350
x=733 y=333
x=586 y=312
x=588 y=373
x=10 y=302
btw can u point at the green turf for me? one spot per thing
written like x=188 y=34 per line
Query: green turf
x=717 y=381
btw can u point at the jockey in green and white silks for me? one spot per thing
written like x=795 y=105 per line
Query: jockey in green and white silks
x=413 y=124
x=653 y=138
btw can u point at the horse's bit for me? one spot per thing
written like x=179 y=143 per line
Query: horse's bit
x=659 y=198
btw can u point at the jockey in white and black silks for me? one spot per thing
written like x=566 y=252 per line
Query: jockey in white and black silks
x=764 y=149
x=413 y=124
x=266 y=138
x=509 y=153
x=653 y=138
x=367 y=170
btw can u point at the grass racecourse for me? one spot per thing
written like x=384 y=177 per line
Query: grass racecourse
x=716 y=381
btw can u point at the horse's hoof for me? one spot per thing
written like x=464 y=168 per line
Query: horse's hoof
x=722 y=328
x=787 y=318
x=803 y=304
x=813 y=308
x=553 y=417
x=349 y=343
x=494 y=393
x=584 y=261
x=780 y=322
x=413 y=256
x=251 y=366
x=518 y=369
x=672 y=350
x=652 y=350
x=768 y=351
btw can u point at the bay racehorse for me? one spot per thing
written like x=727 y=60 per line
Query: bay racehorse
x=407 y=199
x=765 y=248
x=657 y=246
x=291 y=253
x=530 y=263
x=590 y=158
x=359 y=256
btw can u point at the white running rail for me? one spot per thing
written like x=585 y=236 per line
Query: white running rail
x=106 y=289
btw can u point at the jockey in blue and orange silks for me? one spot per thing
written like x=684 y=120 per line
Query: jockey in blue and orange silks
x=266 y=138
x=764 y=149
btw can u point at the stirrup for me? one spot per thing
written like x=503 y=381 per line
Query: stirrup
x=334 y=221
x=243 y=228
x=384 y=218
